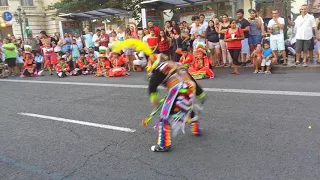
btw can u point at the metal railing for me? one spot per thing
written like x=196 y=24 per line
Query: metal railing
x=4 y=8
x=29 y=8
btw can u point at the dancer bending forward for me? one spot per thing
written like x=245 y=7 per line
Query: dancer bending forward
x=177 y=109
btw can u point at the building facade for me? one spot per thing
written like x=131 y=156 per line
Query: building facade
x=39 y=17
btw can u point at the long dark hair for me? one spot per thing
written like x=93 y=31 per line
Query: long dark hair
x=209 y=28
x=164 y=36
x=177 y=30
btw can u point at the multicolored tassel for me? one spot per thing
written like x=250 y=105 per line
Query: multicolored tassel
x=195 y=128
x=164 y=139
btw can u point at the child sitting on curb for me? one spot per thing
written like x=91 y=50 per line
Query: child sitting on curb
x=268 y=58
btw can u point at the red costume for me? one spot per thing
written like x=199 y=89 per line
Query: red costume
x=186 y=60
x=102 y=67
x=82 y=63
x=62 y=67
x=49 y=56
x=118 y=67
x=29 y=65
x=200 y=69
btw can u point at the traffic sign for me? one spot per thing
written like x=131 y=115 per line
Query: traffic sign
x=7 y=16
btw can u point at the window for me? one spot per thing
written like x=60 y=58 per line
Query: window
x=27 y=2
x=3 y=2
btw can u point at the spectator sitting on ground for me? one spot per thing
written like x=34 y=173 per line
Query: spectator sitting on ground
x=92 y=51
x=257 y=57
x=140 y=61
x=269 y=58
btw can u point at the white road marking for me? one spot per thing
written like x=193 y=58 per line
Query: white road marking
x=79 y=122
x=244 y=91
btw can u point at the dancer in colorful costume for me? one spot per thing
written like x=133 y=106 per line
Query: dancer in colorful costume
x=49 y=57
x=103 y=64
x=178 y=106
x=118 y=66
x=84 y=65
x=29 y=64
x=63 y=69
x=200 y=69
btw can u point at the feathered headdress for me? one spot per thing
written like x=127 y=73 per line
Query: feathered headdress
x=27 y=48
x=131 y=43
x=201 y=48
x=102 y=51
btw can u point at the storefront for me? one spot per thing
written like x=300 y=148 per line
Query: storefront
x=5 y=31
x=96 y=19
x=182 y=10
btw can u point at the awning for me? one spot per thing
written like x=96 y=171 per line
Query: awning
x=96 y=14
x=169 y=4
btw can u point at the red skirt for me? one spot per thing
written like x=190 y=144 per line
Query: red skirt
x=116 y=72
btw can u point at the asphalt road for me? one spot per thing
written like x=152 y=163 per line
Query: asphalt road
x=246 y=136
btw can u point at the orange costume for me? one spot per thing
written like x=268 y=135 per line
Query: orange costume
x=102 y=67
x=83 y=63
x=29 y=65
x=62 y=67
x=186 y=60
x=200 y=69
x=118 y=64
x=49 y=56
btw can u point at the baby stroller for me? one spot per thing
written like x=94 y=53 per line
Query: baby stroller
x=290 y=45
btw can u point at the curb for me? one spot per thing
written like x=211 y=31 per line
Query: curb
x=280 y=68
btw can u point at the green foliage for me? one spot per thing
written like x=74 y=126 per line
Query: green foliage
x=70 y=6
x=275 y=1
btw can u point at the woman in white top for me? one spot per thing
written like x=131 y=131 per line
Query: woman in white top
x=79 y=40
x=140 y=60
x=146 y=35
x=121 y=34
x=59 y=45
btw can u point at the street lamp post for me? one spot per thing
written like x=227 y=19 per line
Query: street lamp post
x=20 y=17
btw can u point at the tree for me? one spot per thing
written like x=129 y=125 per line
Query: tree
x=70 y=6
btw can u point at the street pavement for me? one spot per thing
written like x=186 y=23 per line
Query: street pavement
x=245 y=135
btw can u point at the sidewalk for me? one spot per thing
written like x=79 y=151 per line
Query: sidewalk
x=291 y=67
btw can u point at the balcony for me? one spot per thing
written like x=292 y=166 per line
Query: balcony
x=29 y=8
x=4 y=8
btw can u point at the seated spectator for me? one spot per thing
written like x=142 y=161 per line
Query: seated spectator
x=269 y=57
x=84 y=65
x=29 y=65
x=39 y=61
x=95 y=53
x=103 y=65
x=200 y=68
x=68 y=59
x=63 y=69
x=257 y=57
x=186 y=58
x=140 y=60
x=118 y=63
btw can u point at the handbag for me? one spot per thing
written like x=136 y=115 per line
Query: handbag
x=178 y=50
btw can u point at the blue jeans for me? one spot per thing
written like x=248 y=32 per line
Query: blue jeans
x=254 y=39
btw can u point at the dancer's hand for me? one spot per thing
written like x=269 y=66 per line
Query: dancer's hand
x=155 y=103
